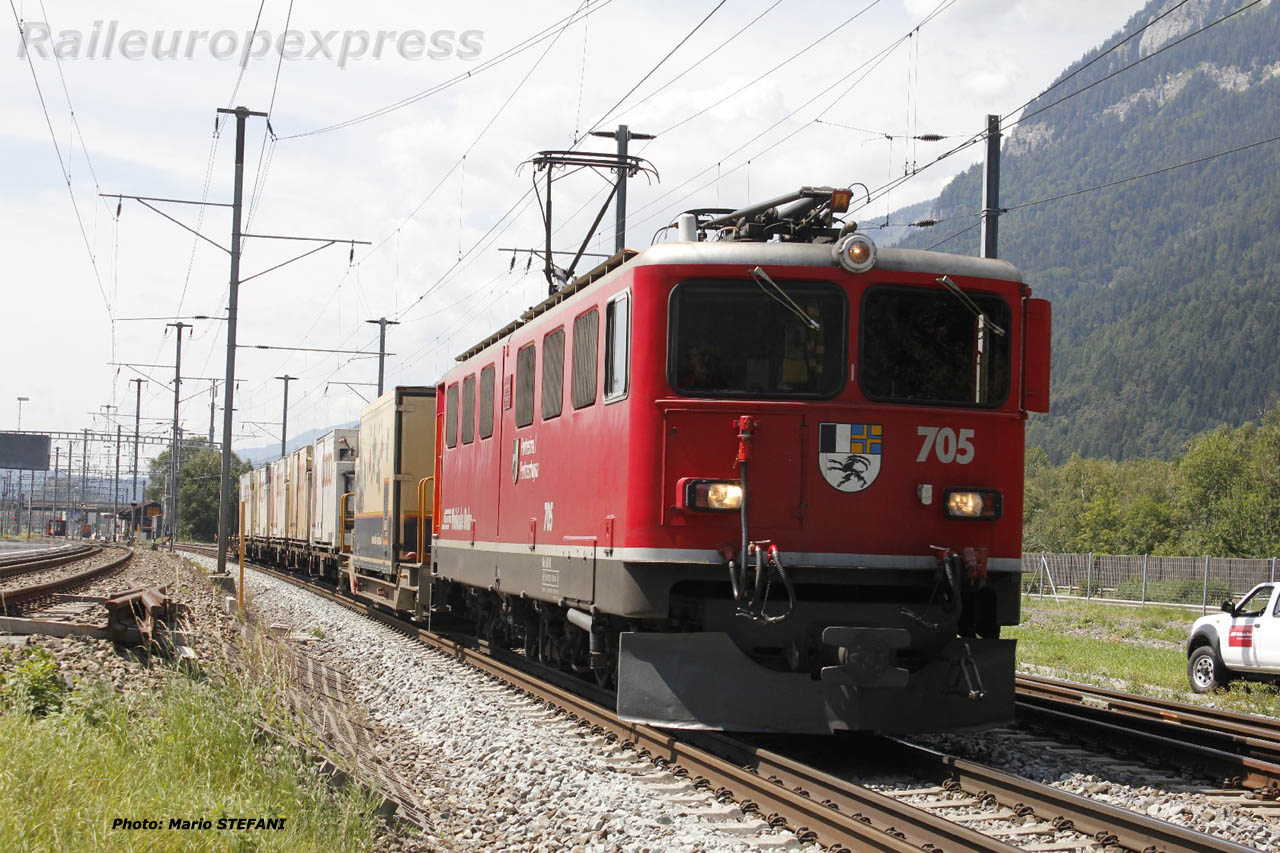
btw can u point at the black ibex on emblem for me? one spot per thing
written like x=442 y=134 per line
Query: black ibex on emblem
x=852 y=467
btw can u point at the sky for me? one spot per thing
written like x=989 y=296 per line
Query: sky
x=435 y=185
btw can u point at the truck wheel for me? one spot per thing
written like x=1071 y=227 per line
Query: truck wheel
x=1206 y=671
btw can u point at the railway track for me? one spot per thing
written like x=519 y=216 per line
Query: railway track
x=820 y=805
x=44 y=558
x=17 y=600
x=1243 y=749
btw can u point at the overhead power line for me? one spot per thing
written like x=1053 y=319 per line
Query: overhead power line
x=66 y=174
x=697 y=64
x=1159 y=171
x=878 y=192
x=1114 y=183
x=863 y=69
x=810 y=46
x=550 y=31
x=1139 y=31
x=1138 y=61
x=651 y=71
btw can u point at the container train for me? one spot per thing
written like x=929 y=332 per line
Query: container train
x=764 y=477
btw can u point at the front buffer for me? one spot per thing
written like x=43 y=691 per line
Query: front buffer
x=704 y=681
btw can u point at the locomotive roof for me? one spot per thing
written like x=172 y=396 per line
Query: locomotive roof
x=722 y=252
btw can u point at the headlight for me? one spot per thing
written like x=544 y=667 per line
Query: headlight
x=716 y=495
x=856 y=253
x=973 y=503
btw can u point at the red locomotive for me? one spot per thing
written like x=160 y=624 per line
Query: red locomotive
x=763 y=478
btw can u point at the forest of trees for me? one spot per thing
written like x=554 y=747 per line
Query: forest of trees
x=1220 y=496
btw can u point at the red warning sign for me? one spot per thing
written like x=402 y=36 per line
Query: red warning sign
x=1241 y=637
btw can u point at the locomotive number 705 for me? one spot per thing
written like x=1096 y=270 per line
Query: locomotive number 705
x=946 y=445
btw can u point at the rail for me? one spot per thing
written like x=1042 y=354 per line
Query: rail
x=817 y=805
x=1243 y=748
x=21 y=564
x=15 y=599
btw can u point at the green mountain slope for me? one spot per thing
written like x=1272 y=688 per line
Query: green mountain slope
x=1166 y=289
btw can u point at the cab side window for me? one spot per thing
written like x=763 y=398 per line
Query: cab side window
x=486 y=401
x=553 y=374
x=617 y=346
x=469 y=409
x=451 y=416
x=526 y=361
x=586 y=335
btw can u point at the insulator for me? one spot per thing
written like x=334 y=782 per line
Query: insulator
x=924 y=223
x=513 y=262
x=930 y=137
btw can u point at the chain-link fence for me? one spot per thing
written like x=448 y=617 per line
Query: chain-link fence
x=1202 y=581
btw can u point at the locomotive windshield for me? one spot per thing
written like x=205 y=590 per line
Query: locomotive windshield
x=920 y=346
x=734 y=339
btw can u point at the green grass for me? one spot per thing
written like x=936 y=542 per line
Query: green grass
x=1139 y=649
x=190 y=750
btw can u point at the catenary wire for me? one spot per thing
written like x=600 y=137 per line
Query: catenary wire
x=66 y=175
x=547 y=32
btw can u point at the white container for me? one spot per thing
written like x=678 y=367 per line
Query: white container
x=261 y=528
x=332 y=476
x=278 y=526
x=299 y=525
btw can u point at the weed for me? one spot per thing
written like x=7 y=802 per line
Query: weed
x=30 y=682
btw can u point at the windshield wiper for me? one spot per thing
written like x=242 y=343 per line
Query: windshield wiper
x=967 y=301
x=982 y=359
x=762 y=278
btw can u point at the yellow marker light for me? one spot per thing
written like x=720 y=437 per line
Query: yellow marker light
x=856 y=253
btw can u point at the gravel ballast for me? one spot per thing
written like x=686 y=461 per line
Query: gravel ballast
x=496 y=770
x=1183 y=797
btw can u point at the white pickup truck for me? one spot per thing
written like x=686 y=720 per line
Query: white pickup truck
x=1243 y=641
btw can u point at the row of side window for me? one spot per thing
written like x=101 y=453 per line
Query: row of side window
x=583 y=381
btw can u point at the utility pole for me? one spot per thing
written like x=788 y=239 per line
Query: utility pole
x=173 y=454
x=227 y=490
x=57 y=463
x=137 y=434
x=71 y=449
x=115 y=490
x=284 y=417
x=233 y=302
x=991 y=190
x=623 y=135
x=382 y=323
x=84 y=481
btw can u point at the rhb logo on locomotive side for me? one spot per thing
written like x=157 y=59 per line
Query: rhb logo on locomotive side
x=849 y=455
